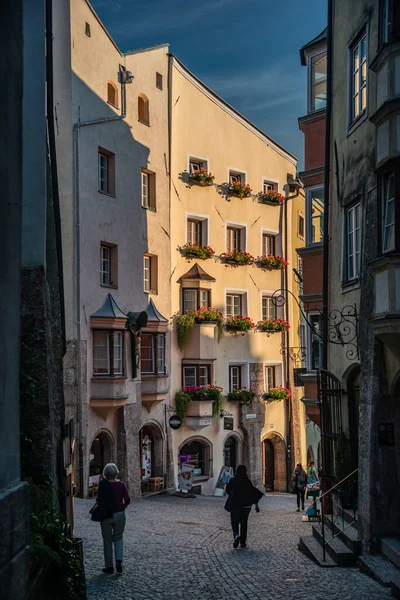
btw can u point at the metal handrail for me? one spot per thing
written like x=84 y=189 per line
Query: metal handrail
x=336 y=484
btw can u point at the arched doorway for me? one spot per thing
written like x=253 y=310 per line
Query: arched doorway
x=231 y=452
x=269 y=466
x=151 y=451
x=100 y=453
x=197 y=452
x=353 y=407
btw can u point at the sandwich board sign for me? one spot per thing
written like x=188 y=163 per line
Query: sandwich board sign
x=186 y=477
x=225 y=474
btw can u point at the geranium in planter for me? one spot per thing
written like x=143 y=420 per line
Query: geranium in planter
x=196 y=251
x=239 y=324
x=277 y=394
x=238 y=257
x=272 y=262
x=242 y=395
x=211 y=393
x=241 y=190
x=274 y=325
x=185 y=323
x=201 y=178
x=210 y=315
x=271 y=197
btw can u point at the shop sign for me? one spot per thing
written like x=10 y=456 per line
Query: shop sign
x=228 y=423
x=175 y=422
x=251 y=416
x=225 y=475
x=186 y=477
x=386 y=434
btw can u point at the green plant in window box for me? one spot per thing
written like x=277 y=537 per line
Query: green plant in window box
x=182 y=401
x=201 y=178
x=274 y=325
x=239 y=324
x=271 y=197
x=277 y=394
x=210 y=315
x=196 y=251
x=185 y=323
x=242 y=395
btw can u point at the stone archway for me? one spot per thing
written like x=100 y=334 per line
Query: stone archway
x=232 y=451
x=278 y=454
x=101 y=452
x=151 y=442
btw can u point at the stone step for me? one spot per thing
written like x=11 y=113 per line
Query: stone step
x=390 y=547
x=310 y=546
x=350 y=516
x=349 y=535
x=337 y=550
x=378 y=567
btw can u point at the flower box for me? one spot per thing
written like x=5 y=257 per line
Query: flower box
x=196 y=251
x=203 y=392
x=271 y=197
x=277 y=394
x=243 y=396
x=272 y=262
x=240 y=190
x=238 y=258
x=239 y=324
x=201 y=178
x=274 y=325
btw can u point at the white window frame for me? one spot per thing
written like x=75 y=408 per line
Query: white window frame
x=243 y=300
x=234 y=304
x=103 y=172
x=105 y=260
x=278 y=366
x=385 y=201
x=204 y=223
x=309 y=217
x=203 y=163
x=198 y=377
x=272 y=309
x=311 y=85
x=145 y=190
x=235 y=374
x=233 y=171
x=272 y=233
x=147 y=269
x=309 y=333
x=353 y=260
x=244 y=373
x=356 y=76
x=243 y=234
x=269 y=181
x=264 y=250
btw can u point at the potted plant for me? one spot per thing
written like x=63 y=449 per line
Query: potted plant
x=210 y=315
x=271 y=197
x=272 y=262
x=240 y=190
x=241 y=395
x=196 y=251
x=274 y=325
x=238 y=257
x=207 y=392
x=239 y=324
x=277 y=394
x=201 y=178
x=182 y=401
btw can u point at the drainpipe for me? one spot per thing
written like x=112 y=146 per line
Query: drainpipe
x=325 y=416
x=124 y=78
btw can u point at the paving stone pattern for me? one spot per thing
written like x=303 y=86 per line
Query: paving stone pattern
x=182 y=549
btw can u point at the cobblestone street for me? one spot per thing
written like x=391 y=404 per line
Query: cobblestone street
x=182 y=548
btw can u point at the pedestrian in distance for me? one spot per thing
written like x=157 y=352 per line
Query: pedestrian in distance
x=109 y=510
x=312 y=476
x=299 y=485
x=241 y=496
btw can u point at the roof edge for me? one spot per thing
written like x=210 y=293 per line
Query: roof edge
x=146 y=49
x=96 y=16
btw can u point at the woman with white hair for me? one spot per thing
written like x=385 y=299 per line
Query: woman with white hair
x=112 y=500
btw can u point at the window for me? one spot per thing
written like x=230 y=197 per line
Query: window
x=270 y=379
x=159 y=81
x=87 y=29
x=388 y=211
x=196 y=164
x=112 y=94
x=108 y=353
x=193 y=299
x=232 y=239
x=302 y=336
x=318 y=82
x=236 y=177
x=268 y=308
x=389 y=21
x=268 y=244
x=300 y=226
x=353 y=241
x=193 y=232
x=198 y=454
x=150 y=275
x=148 y=189
x=385 y=22
x=315 y=215
x=233 y=305
x=269 y=186
x=359 y=77
x=193 y=375
x=106 y=173
x=300 y=273
x=143 y=109
x=152 y=354
x=314 y=341
x=108 y=264
x=235 y=378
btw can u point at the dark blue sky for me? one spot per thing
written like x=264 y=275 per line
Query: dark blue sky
x=245 y=50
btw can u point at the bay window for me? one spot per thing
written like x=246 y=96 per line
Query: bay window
x=353 y=241
x=318 y=81
x=194 y=375
x=387 y=187
x=315 y=215
x=108 y=352
x=152 y=354
x=193 y=299
x=358 y=83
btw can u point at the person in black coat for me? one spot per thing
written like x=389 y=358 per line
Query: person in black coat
x=242 y=496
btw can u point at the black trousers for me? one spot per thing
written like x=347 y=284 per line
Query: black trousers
x=300 y=492
x=239 y=518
